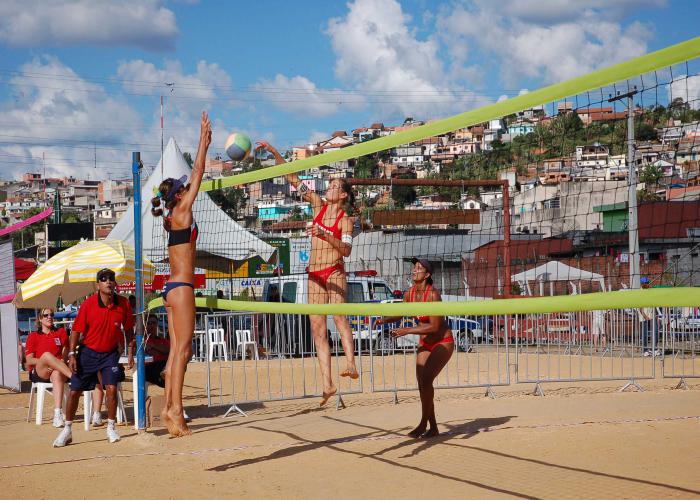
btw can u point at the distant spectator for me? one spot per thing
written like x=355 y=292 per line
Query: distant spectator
x=648 y=324
x=159 y=348
x=598 y=329
x=132 y=302
x=47 y=352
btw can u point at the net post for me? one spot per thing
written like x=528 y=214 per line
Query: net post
x=506 y=239
x=140 y=418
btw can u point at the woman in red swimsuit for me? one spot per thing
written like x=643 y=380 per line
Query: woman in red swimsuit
x=434 y=349
x=178 y=295
x=331 y=241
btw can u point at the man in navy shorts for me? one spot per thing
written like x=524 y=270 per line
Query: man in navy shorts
x=100 y=320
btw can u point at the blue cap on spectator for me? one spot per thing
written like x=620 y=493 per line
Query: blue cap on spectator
x=644 y=279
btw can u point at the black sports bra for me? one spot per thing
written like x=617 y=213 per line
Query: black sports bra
x=180 y=236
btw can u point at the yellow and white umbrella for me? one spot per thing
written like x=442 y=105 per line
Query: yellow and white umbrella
x=71 y=274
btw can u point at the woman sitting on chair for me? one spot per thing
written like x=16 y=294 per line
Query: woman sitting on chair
x=47 y=352
x=178 y=295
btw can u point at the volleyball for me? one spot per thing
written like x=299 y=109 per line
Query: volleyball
x=237 y=146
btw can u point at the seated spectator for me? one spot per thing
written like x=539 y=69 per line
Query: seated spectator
x=47 y=352
x=159 y=348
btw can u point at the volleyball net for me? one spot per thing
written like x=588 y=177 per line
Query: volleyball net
x=572 y=197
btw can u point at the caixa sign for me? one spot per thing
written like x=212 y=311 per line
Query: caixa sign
x=251 y=282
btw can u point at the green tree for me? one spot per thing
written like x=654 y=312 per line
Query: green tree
x=230 y=200
x=188 y=158
x=366 y=167
x=25 y=237
x=651 y=175
x=644 y=131
x=403 y=195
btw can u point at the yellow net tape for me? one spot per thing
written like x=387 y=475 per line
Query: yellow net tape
x=623 y=71
x=658 y=297
x=612 y=300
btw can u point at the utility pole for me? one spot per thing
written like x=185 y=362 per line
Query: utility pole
x=632 y=225
x=171 y=86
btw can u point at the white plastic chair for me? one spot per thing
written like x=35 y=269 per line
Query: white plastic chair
x=87 y=407
x=216 y=339
x=41 y=388
x=243 y=339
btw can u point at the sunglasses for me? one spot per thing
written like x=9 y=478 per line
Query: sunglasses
x=104 y=279
x=47 y=315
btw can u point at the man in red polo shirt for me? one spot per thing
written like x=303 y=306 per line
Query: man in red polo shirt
x=101 y=319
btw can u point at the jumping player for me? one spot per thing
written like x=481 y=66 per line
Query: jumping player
x=178 y=295
x=331 y=241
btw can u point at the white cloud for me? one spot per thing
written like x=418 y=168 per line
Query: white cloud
x=384 y=66
x=68 y=123
x=147 y=24
x=584 y=37
x=378 y=53
x=561 y=11
x=317 y=136
x=300 y=95
x=185 y=100
x=687 y=89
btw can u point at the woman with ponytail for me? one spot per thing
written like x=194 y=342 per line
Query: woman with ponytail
x=331 y=241
x=178 y=295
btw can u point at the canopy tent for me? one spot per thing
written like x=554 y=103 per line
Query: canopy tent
x=220 y=240
x=556 y=271
x=24 y=269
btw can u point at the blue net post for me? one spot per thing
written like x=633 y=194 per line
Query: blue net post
x=138 y=263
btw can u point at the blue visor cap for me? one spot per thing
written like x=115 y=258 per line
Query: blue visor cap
x=177 y=185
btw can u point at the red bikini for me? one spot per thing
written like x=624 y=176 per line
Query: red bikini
x=425 y=319
x=321 y=276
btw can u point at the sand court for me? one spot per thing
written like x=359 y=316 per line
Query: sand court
x=579 y=440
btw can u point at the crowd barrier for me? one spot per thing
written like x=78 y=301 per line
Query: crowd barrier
x=680 y=329
x=254 y=358
x=538 y=348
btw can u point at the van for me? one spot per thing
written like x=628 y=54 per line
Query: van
x=363 y=286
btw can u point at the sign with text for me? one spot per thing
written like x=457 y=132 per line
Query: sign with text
x=258 y=268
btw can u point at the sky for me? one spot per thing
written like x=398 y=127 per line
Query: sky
x=81 y=80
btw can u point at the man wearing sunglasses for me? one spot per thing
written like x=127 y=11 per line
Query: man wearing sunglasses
x=100 y=320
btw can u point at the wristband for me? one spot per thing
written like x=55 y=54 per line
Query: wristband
x=303 y=188
x=71 y=353
x=347 y=239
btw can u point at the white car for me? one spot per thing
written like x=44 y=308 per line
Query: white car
x=465 y=332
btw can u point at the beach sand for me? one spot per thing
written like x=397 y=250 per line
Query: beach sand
x=582 y=440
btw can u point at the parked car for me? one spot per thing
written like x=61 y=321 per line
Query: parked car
x=363 y=286
x=466 y=332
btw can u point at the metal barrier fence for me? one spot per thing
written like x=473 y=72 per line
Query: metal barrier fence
x=585 y=346
x=479 y=358
x=680 y=329
x=268 y=357
x=566 y=347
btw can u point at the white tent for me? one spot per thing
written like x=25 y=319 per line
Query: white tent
x=220 y=241
x=556 y=271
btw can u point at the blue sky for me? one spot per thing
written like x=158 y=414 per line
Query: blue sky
x=80 y=81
